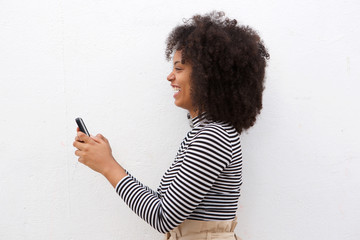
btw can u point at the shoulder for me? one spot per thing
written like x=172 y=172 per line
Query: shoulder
x=216 y=133
x=220 y=129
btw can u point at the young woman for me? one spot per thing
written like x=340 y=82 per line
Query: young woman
x=218 y=76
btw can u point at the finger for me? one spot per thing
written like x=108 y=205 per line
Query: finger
x=77 y=138
x=78 y=153
x=81 y=160
x=79 y=145
x=83 y=137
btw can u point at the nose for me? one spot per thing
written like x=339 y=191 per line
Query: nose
x=171 y=77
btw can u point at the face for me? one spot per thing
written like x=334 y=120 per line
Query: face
x=180 y=82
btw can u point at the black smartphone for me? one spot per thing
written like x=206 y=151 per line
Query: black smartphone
x=82 y=126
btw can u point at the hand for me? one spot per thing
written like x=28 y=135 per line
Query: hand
x=94 y=152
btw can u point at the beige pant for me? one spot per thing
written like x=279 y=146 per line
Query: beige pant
x=203 y=230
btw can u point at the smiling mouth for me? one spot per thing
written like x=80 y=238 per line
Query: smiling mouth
x=176 y=89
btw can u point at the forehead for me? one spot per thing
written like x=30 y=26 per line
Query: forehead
x=177 y=56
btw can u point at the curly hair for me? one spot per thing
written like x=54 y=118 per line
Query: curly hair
x=228 y=67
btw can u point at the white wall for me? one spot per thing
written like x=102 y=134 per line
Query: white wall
x=104 y=61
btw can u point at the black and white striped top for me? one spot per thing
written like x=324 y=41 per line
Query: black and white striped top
x=203 y=183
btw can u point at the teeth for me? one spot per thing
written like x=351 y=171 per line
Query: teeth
x=176 y=89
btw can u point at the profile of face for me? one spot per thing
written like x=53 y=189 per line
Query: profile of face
x=180 y=82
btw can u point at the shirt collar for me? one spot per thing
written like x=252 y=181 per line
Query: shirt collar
x=198 y=120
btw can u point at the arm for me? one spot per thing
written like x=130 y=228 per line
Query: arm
x=95 y=152
x=206 y=157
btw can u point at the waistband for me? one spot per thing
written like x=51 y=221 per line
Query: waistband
x=193 y=229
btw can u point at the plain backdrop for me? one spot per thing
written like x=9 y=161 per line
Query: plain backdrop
x=104 y=61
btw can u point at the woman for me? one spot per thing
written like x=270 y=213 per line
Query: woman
x=218 y=76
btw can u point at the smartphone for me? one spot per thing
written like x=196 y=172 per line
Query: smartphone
x=82 y=126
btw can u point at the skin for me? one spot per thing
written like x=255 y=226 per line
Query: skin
x=180 y=77
x=95 y=151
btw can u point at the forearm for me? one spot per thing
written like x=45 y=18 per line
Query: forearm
x=114 y=173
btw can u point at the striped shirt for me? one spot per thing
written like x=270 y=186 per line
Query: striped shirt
x=203 y=183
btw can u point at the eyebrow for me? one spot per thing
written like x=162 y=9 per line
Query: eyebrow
x=176 y=62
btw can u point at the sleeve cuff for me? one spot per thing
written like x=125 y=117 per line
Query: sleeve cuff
x=121 y=183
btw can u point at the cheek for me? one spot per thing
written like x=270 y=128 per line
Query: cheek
x=187 y=93
x=188 y=87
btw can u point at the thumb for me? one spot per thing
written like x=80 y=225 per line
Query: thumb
x=102 y=137
x=98 y=138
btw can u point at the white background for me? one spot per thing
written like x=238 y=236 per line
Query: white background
x=105 y=61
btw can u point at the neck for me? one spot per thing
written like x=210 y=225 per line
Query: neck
x=193 y=113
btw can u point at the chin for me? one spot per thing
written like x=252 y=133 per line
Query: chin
x=179 y=105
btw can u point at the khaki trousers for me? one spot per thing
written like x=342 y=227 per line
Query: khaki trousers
x=203 y=230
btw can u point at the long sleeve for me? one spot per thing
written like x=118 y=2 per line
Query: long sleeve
x=144 y=187
x=206 y=155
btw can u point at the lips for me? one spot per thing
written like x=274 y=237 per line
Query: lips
x=176 y=89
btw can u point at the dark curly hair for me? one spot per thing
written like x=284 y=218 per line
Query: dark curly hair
x=228 y=67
